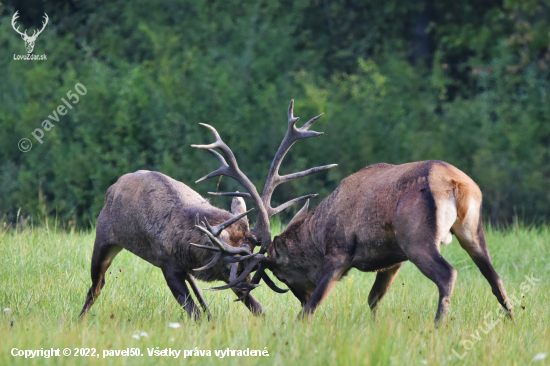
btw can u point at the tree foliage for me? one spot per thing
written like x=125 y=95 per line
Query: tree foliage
x=466 y=82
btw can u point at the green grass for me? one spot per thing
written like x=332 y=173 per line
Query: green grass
x=44 y=276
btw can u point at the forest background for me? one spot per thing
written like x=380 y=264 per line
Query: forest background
x=463 y=81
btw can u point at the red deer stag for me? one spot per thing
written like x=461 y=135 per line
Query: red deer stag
x=155 y=217
x=376 y=219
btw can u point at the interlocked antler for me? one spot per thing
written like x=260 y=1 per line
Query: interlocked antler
x=293 y=134
x=230 y=168
x=231 y=254
x=262 y=230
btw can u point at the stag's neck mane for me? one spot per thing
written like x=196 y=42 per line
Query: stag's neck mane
x=300 y=239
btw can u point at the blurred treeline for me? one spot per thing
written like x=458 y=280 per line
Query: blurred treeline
x=465 y=81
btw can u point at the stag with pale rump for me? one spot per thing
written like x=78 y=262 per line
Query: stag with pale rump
x=378 y=218
x=157 y=218
x=375 y=220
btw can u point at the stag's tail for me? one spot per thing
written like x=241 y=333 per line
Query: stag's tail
x=463 y=194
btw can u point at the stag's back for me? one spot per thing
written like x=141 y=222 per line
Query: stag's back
x=153 y=215
x=362 y=210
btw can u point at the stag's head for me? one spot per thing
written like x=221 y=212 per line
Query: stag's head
x=261 y=233
x=230 y=239
x=29 y=40
x=291 y=262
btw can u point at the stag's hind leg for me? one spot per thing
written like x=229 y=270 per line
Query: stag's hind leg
x=417 y=235
x=381 y=285
x=176 y=282
x=430 y=262
x=105 y=249
x=424 y=253
x=102 y=258
x=472 y=239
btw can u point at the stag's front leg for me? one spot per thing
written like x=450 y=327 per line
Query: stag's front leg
x=331 y=272
x=176 y=282
x=198 y=293
x=382 y=284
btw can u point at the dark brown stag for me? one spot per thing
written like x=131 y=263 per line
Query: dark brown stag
x=157 y=218
x=376 y=219
x=154 y=216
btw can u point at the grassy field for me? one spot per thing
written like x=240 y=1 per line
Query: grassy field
x=44 y=275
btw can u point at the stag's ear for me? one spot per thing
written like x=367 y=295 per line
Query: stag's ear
x=238 y=206
x=281 y=250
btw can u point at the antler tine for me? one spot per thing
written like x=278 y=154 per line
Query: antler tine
x=302 y=132
x=293 y=134
x=231 y=169
x=234 y=254
x=218 y=144
x=211 y=263
x=276 y=210
x=217 y=229
x=269 y=282
x=310 y=123
x=286 y=178
x=207 y=247
x=259 y=258
x=259 y=275
x=231 y=194
x=291 y=119
x=222 y=247
x=222 y=169
x=233 y=272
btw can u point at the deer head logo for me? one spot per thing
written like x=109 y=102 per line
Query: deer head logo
x=29 y=40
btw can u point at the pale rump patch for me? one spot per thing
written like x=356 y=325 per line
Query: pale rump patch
x=472 y=218
x=446 y=217
x=468 y=229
